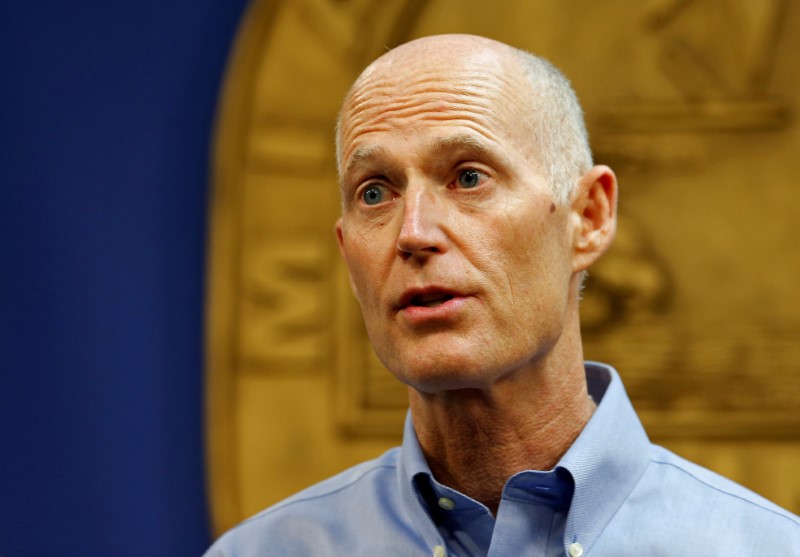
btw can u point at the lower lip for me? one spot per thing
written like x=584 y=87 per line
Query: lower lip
x=421 y=315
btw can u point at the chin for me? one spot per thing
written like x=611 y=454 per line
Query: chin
x=433 y=375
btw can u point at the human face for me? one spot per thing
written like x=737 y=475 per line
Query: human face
x=457 y=250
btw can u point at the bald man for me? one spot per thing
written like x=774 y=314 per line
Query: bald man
x=471 y=210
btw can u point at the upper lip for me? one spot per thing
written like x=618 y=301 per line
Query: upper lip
x=414 y=296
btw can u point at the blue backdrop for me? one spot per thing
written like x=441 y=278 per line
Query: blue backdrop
x=106 y=110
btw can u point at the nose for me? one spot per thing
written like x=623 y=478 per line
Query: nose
x=421 y=234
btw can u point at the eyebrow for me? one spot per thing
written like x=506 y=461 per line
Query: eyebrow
x=462 y=141
x=469 y=146
x=362 y=154
x=465 y=144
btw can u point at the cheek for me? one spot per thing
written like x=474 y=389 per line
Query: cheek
x=528 y=261
x=356 y=266
x=522 y=243
x=366 y=269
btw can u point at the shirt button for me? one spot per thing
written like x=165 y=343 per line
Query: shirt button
x=575 y=550
x=439 y=551
x=446 y=504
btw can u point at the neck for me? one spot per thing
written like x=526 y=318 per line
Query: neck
x=474 y=439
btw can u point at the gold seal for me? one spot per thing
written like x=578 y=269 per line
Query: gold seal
x=695 y=305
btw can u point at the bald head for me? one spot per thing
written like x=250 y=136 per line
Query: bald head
x=525 y=88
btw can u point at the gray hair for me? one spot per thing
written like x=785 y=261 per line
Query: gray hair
x=558 y=125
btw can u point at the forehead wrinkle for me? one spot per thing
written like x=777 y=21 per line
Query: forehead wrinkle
x=486 y=96
x=471 y=66
x=472 y=146
x=377 y=110
x=432 y=105
x=427 y=89
x=480 y=94
x=374 y=116
x=412 y=81
x=468 y=83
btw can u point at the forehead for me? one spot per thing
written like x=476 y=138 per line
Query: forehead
x=483 y=95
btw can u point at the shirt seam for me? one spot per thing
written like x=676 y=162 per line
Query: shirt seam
x=720 y=490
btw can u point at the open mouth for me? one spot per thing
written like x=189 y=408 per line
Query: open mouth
x=426 y=298
x=432 y=305
x=431 y=300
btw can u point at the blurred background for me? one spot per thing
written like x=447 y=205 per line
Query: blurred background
x=106 y=111
x=179 y=345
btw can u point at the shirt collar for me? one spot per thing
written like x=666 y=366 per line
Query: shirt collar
x=607 y=459
x=606 y=462
x=412 y=466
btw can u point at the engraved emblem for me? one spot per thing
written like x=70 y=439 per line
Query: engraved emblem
x=695 y=305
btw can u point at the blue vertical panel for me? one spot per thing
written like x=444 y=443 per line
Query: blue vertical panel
x=105 y=117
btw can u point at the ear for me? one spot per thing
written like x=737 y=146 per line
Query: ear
x=340 y=235
x=594 y=216
x=340 y=243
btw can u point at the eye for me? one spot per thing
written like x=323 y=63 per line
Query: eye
x=470 y=178
x=373 y=194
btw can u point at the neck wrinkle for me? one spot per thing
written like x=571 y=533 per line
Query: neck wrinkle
x=474 y=440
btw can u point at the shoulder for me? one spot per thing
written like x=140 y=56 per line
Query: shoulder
x=708 y=511
x=701 y=485
x=318 y=518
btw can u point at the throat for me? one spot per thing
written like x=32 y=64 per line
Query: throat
x=475 y=448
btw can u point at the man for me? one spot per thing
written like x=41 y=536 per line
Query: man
x=470 y=211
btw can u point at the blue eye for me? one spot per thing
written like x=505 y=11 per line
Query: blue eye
x=469 y=178
x=372 y=195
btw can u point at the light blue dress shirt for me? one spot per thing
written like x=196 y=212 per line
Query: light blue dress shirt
x=612 y=494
